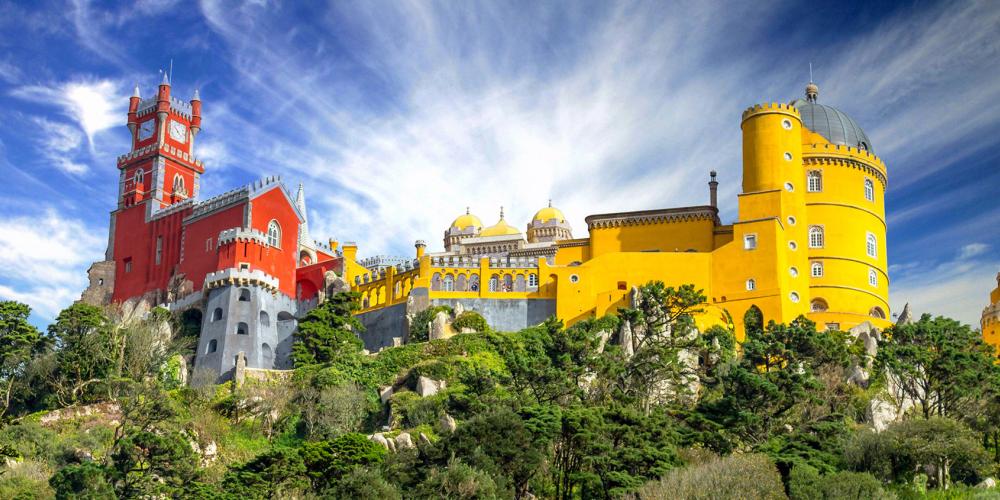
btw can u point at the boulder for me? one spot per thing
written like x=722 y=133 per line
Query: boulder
x=459 y=309
x=404 y=441
x=438 y=327
x=987 y=483
x=380 y=439
x=448 y=423
x=880 y=414
x=385 y=393
x=905 y=317
x=429 y=387
x=424 y=440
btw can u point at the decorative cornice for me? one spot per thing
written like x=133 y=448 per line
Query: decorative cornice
x=644 y=217
x=847 y=162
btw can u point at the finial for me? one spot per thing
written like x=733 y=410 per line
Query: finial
x=135 y=93
x=550 y=202
x=713 y=174
x=812 y=90
x=197 y=96
x=166 y=80
x=466 y=210
x=501 y=212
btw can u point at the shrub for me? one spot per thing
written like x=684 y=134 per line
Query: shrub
x=735 y=476
x=85 y=481
x=364 y=484
x=418 y=327
x=23 y=488
x=459 y=480
x=848 y=485
x=471 y=320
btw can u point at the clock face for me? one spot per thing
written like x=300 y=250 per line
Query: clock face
x=178 y=131
x=145 y=130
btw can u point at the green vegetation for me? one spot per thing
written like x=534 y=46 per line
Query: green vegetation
x=636 y=405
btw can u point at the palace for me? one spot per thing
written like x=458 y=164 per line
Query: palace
x=809 y=239
x=990 y=322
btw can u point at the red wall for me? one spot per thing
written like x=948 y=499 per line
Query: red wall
x=280 y=263
x=197 y=262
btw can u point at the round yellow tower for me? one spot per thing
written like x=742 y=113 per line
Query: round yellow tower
x=844 y=218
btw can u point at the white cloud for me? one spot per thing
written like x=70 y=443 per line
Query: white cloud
x=58 y=142
x=94 y=104
x=972 y=250
x=958 y=288
x=45 y=258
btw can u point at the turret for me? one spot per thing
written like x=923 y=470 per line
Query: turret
x=195 y=115
x=133 y=106
x=713 y=191
x=162 y=108
x=421 y=245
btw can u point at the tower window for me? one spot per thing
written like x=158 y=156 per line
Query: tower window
x=217 y=314
x=877 y=312
x=244 y=295
x=816 y=237
x=159 y=249
x=213 y=345
x=815 y=178
x=751 y=285
x=871 y=245
x=872 y=277
x=794 y=297
x=789 y=187
x=786 y=124
x=573 y=278
x=869 y=190
x=749 y=241
x=179 y=185
x=791 y=220
x=818 y=305
x=793 y=272
x=138 y=177
x=274 y=234
x=242 y=329
x=128 y=264
x=817 y=270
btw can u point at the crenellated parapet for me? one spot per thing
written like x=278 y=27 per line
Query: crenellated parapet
x=148 y=106
x=770 y=107
x=839 y=154
x=242 y=234
x=644 y=217
x=241 y=277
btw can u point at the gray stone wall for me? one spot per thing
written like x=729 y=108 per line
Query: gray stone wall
x=506 y=315
x=384 y=325
x=260 y=326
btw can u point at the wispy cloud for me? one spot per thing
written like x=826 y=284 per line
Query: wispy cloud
x=958 y=287
x=94 y=104
x=58 y=142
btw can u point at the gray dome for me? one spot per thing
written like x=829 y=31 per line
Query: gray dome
x=833 y=124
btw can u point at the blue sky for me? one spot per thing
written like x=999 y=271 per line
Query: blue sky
x=398 y=115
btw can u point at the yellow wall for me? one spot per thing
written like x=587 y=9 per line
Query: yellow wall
x=991 y=319
x=678 y=236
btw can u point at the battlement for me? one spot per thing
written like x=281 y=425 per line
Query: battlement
x=241 y=277
x=172 y=209
x=145 y=150
x=381 y=261
x=472 y=262
x=771 y=107
x=375 y=276
x=148 y=106
x=827 y=148
x=227 y=236
x=219 y=201
x=319 y=245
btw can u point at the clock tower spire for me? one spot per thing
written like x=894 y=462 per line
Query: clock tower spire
x=161 y=168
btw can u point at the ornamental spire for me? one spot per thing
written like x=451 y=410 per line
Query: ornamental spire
x=135 y=93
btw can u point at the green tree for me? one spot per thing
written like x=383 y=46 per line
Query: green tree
x=85 y=353
x=149 y=464
x=939 y=363
x=276 y=473
x=943 y=443
x=549 y=364
x=363 y=483
x=19 y=341
x=329 y=331
x=87 y=481
x=458 y=481
x=419 y=331
x=327 y=461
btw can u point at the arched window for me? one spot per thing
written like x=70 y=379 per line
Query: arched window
x=179 y=185
x=519 y=283
x=398 y=291
x=494 y=283
x=815 y=181
x=217 y=314
x=474 y=283
x=751 y=284
x=244 y=295
x=242 y=329
x=213 y=345
x=449 y=283
x=138 y=177
x=871 y=245
x=869 y=190
x=872 y=277
x=753 y=320
x=877 y=312
x=508 y=283
x=816 y=237
x=364 y=303
x=816 y=269
x=266 y=356
x=533 y=280
x=274 y=234
x=462 y=283
x=818 y=305
x=436 y=282
x=265 y=320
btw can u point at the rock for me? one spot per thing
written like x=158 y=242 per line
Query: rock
x=880 y=414
x=438 y=327
x=905 y=317
x=987 y=483
x=424 y=440
x=397 y=341
x=448 y=423
x=385 y=393
x=404 y=441
x=429 y=387
x=241 y=365
x=380 y=439
x=459 y=309
x=467 y=330
x=391 y=444
x=211 y=451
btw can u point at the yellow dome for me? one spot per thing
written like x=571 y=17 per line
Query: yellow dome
x=549 y=213
x=501 y=228
x=467 y=220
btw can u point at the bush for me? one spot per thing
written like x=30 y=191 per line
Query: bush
x=23 y=488
x=471 y=320
x=735 y=476
x=418 y=327
x=84 y=481
x=459 y=481
x=364 y=484
x=849 y=485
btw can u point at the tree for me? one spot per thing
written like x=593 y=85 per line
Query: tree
x=326 y=461
x=85 y=353
x=940 y=442
x=19 y=340
x=939 y=363
x=274 y=474
x=329 y=331
x=149 y=464
x=88 y=481
x=550 y=364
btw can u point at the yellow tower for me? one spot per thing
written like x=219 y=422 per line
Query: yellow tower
x=991 y=318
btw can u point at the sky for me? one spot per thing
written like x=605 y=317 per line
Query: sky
x=398 y=115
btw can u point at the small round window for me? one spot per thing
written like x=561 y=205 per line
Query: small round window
x=788 y=156
x=792 y=245
x=789 y=187
x=573 y=278
x=794 y=297
x=793 y=271
x=786 y=124
x=791 y=220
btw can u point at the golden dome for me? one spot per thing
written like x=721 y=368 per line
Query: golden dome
x=549 y=213
x=501 y=228
x=467 y=220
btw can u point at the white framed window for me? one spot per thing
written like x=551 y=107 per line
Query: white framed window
x=877 y=312
x=788 y=156
x=573 y=278
x=208 y=245
x=138 y=177
x=789 y=187
x=816 y=270
x=833 y=327
x=449 y=283
x=818 y=305
x=749 y=241
x=274 y=234
x=869 y=190
x=494 y=283
x=179 y=184
x=816 y=237
x=872 y=277
x=792 y=245
x=751 y=284
x=871 y=245
x=793 y=272
x=786 y=124
x=815 y=181
x=791 y=220
x=532 y=280
x=794 y=297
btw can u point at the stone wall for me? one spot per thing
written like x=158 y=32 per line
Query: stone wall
x=384 y=326
x=506 y=315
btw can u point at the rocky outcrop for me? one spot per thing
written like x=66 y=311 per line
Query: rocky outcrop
x=385 y=393
x=429 y=387
x=448 y=423
x=440 y=326
x=404 y=441
x=905 y=317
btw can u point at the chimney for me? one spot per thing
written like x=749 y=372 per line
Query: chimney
x=713 y=188
x=421 y=246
